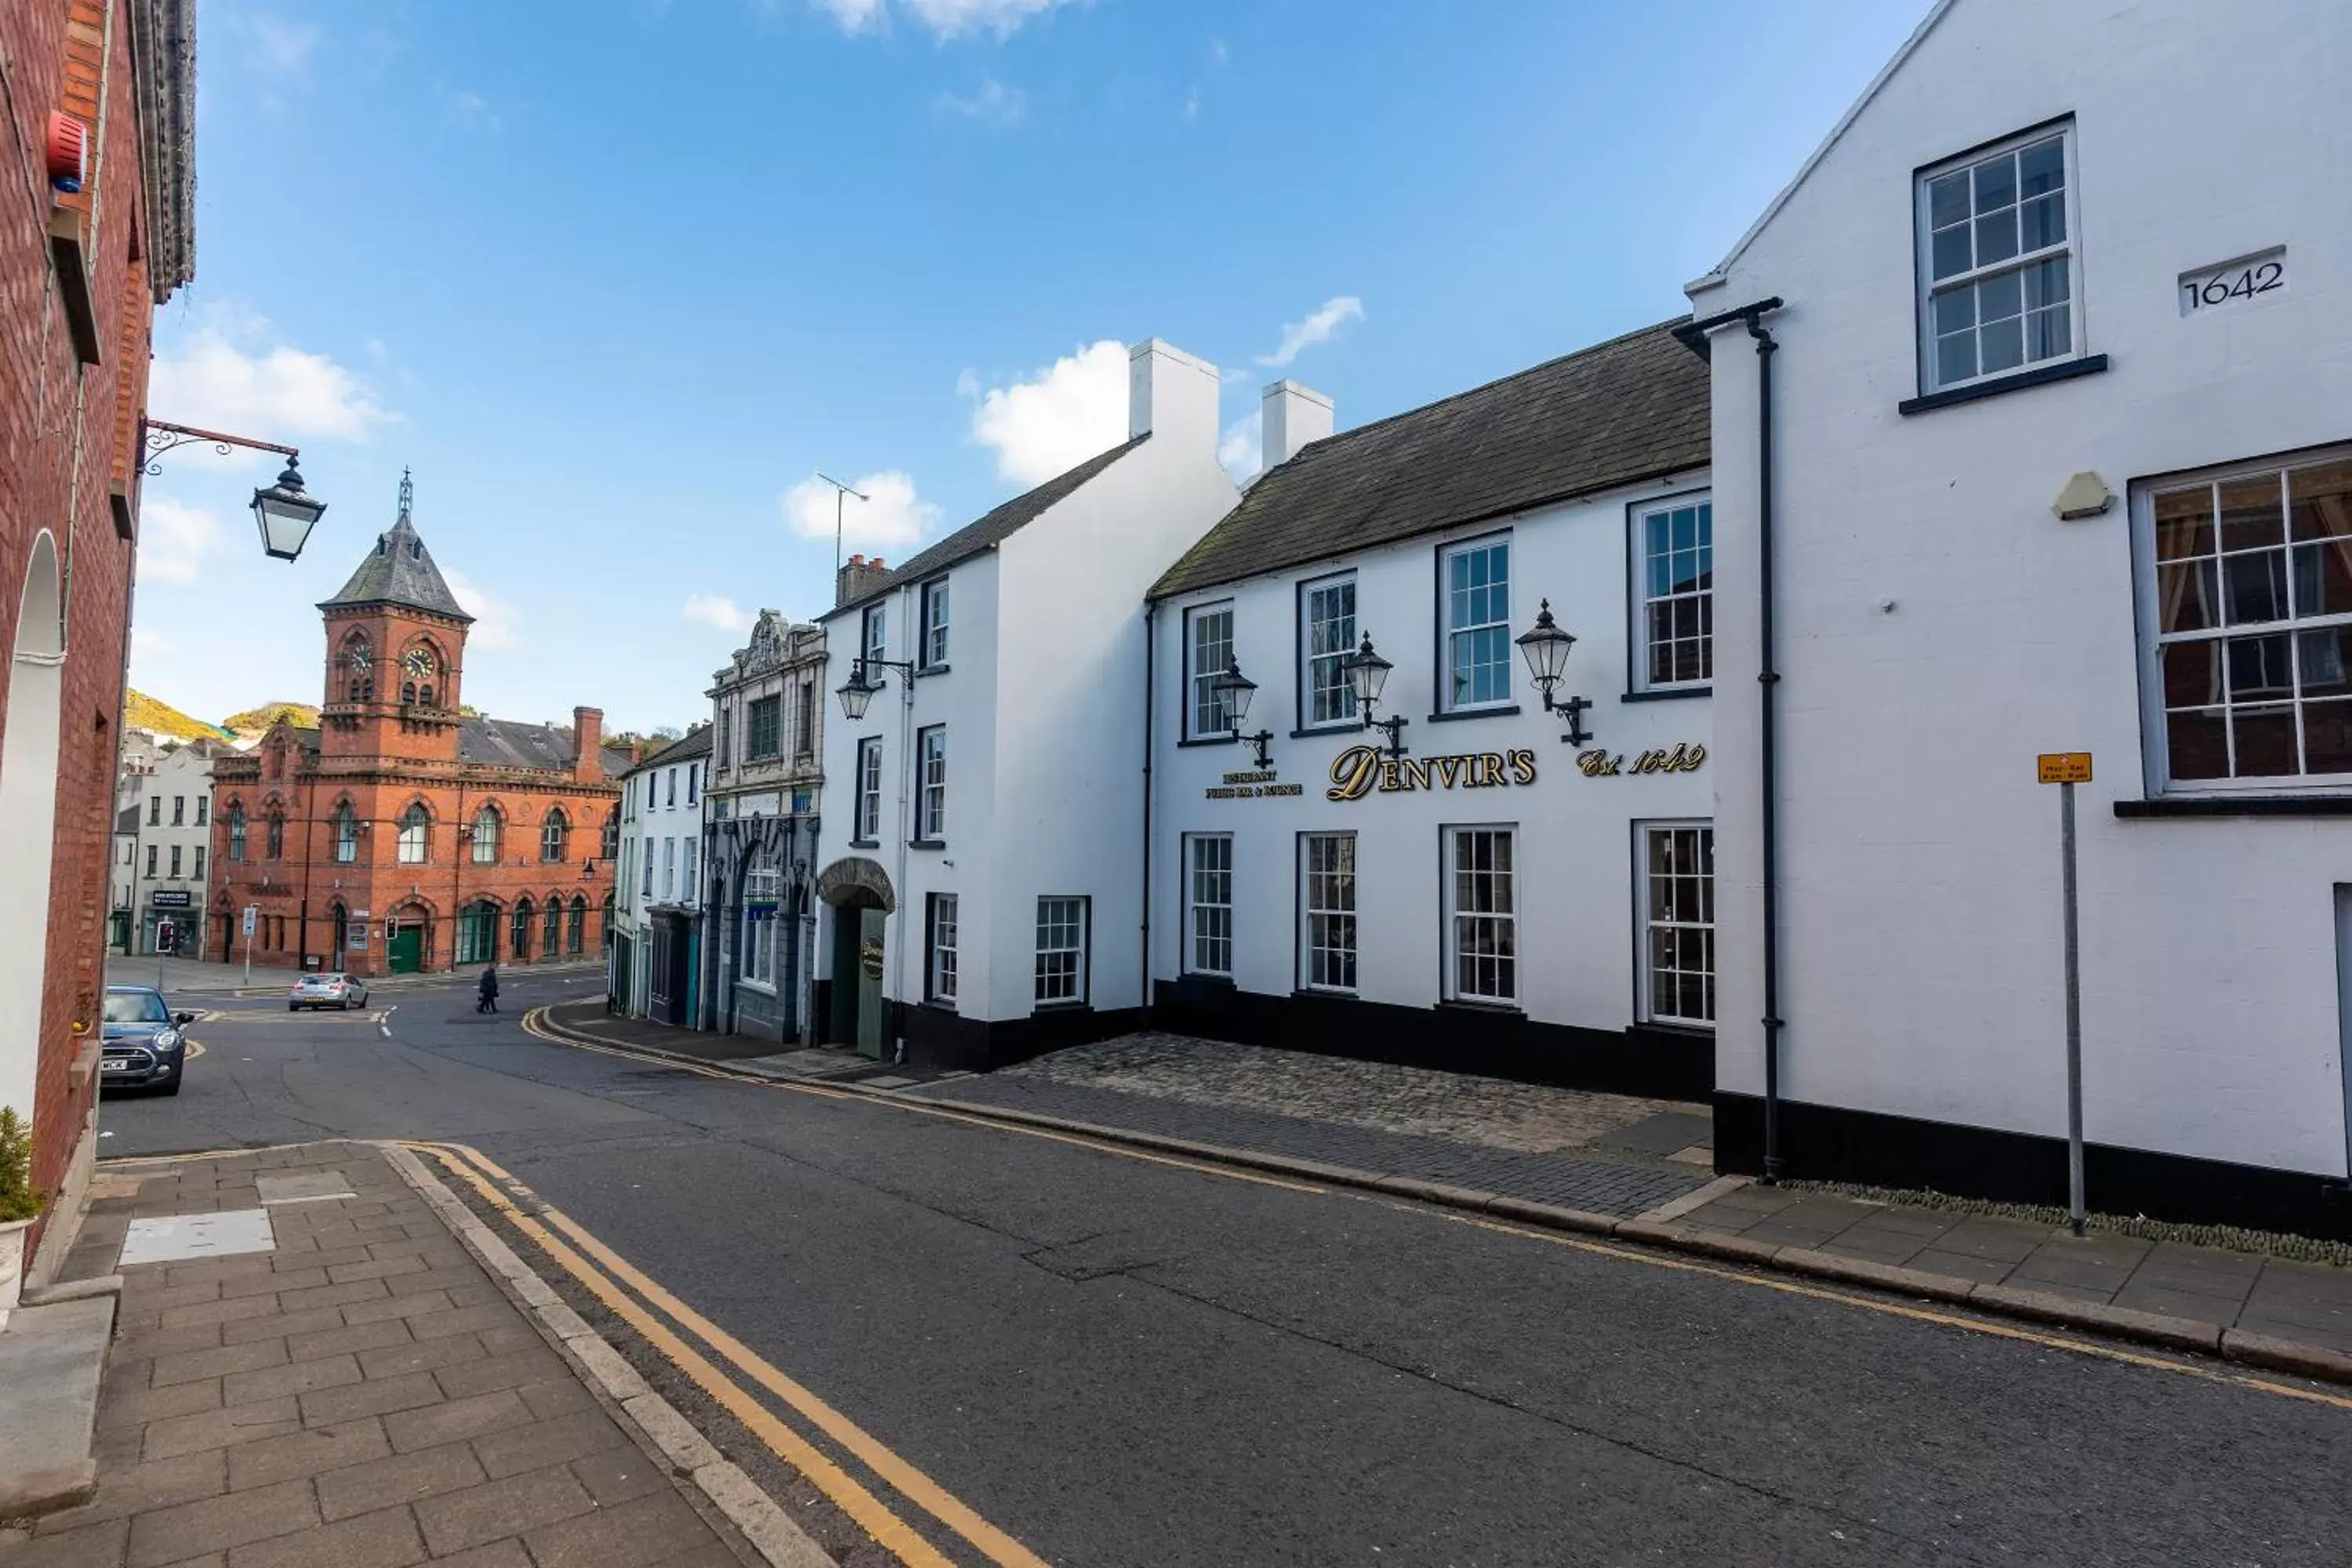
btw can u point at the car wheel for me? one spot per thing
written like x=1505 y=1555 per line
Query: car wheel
x=293 y=1007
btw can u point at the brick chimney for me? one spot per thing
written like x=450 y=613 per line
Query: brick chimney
x=588 y=744
x=858 y=575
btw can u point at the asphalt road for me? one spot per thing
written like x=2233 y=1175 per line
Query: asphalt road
x=1123 y=1361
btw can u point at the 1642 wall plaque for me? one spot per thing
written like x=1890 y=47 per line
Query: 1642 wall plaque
x=1685 y=757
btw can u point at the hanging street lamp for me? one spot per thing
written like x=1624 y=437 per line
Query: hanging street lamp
x=1545 y=647
x=284 y=512
x=1368 y=676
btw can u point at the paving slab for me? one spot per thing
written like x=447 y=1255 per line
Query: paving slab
x=52 y=1363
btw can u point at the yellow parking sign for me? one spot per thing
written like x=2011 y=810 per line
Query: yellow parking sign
x=2064 y=767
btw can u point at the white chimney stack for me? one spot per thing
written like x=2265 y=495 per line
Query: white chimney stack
x=1293 y=415
x=1171 y=395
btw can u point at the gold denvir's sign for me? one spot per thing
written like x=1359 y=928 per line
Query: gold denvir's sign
x=1359 y=770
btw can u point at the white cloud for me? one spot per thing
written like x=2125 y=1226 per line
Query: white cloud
x=945 y=18
x=1242 y=449
x=494 y=618
x=1319 y=328
x=891 y=513
x=1057 y=419
x=220 y=377
x=717 y=610
x=174 y=538
x=1218 y=52
x=1192 y=104
x=994 y=104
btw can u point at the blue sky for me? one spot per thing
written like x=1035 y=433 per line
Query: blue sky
x=615 y=278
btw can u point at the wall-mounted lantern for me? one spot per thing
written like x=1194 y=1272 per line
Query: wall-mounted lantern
x=1368 y=676
x=1546 y=646
x=1233 y=691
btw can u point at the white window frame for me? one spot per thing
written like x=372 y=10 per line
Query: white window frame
x=1310 y=656
x=932 y=783
x=1927 y=285
x=1448 y=630
x=1649 y=919
x=939 y=957
x=669 y=871
x=2154 y=711
x=757 y=961
x=1049 y=980
x=413 y=839
x=1313 y=976
x=1202 y=702
x=1208 y=904
x=1495 y=913
x=486 y=845
x=874 y=633
x=687 y=871
x=931 y=650
x=1645 y=587
x=645 y=892
x=869 y=821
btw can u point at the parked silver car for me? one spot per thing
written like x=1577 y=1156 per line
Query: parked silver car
x=329 y=990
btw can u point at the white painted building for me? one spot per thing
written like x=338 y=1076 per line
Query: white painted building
x=657 y=927
x=982 y=856
x=164 y=877
x=2061 y=461
x=765 y=788
x=1492 y=898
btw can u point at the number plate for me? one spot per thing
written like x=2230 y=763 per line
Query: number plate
x=2210 y=288
x=115 y=1064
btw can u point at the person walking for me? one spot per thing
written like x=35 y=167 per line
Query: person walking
x=488 y=1000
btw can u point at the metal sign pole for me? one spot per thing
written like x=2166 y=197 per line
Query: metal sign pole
x=2073 y=1016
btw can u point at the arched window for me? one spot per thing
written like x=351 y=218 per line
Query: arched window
x=408 y=692
x=424 y=694
x=554 y=940
x=340 y=920
x=415 y=830
x=477 y=933
x=347 y=833
x=612 y=844
x=487 y=823
x=520 y=943
x=575 y=932
x=237 y=830
x=277 y=761
x=276 y=835
x=554 y=837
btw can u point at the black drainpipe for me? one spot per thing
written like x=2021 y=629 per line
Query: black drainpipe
x=1150 y=681
x=1693 y=335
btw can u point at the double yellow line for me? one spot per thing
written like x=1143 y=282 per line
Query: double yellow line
x=644 y=1305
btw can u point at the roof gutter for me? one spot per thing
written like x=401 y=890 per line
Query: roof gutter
x=1694 y=336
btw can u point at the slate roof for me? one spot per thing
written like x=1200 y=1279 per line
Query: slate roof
x=1633 y=408
x=127 y=820
x=696 y=744
x=990 y=530
x=400 y=570
x=504 y=743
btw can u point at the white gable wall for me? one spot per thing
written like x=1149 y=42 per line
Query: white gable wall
x=1939 y=626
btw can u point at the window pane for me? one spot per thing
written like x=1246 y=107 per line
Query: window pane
x=2001 y=297
x=2041 y=168
x=2323 y=500
x=1995 y=182
x=2049 y=333
x=2186 y=601
x=2184 y=524
x=1997 y=237
x=1949 y=250
x=2042 y=222
x=2265 y=741
x=2197 y=746
x=1955 y=309
x=2323 y=661
x=1956 y=357
x=2003 y=345
x=2323 y=578
x=2046 y=283
x=2254 y=586
x=2251 y=517
x=2328 y=737
x=2258 y=668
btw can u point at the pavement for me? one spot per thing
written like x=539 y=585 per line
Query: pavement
x=1115 y=1354
x=344 y=1385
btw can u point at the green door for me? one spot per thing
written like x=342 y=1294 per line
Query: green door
x=407 y=949
x=869 y=983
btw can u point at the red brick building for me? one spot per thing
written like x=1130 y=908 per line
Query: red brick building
x=404 y=834
x=80 y=274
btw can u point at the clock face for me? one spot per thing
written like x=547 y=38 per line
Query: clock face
x=361 y=658
x=419 y=663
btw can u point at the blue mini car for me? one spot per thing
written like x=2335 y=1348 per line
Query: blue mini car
x=142 y=1046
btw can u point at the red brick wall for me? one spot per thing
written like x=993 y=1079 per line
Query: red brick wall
x=60 y=429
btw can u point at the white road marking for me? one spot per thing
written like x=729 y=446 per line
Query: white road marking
x=383 y=1021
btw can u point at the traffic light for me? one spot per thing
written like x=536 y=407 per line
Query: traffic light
x=167 y=937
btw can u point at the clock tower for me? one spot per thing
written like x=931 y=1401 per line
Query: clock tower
x=395 y=653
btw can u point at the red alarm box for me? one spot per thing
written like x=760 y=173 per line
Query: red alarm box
x=69 y=148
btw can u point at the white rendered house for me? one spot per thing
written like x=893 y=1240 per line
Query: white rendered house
x=656 y=957
x=2057 y=332
x=1504 y=884
x=981 y=845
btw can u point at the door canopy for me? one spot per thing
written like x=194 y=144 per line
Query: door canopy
x=856 y=882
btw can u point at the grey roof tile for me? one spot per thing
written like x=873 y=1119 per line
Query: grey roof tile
x=399 y=570
x=1633 y=408
x=504 y=743
x=991 y=531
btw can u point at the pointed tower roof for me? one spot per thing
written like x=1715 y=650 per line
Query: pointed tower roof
x=400 y=570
